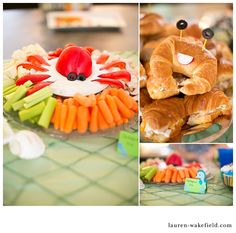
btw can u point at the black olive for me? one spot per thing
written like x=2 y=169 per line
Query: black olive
x=181 y=24
x=72 y=76
x=207 y=33
x=81 y=77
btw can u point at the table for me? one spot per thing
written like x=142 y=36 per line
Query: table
x=84 y=171
x=174 y=195
x=23 y=27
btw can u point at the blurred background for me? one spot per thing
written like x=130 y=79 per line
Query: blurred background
x=217 y=16
x=189 y=152
x=111 y=27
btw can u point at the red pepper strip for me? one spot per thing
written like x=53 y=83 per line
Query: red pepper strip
x=111 y=82
x=34 y=78
x=37 y=60
x=123 y=74
x=37 y=87
x=89 y=49
x=102 y=59
x=55 y=53
x=51 y=57
x=119 y=64
x=28 y=66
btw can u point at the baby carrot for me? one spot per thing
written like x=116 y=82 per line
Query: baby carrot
x=105 y=111
x=124 y=111
x=159 y=177
x=179 y=180
x=70 y=119
x=125 y=98
x=114 y=91
x=154 y=179
x=94 y=120
x=75 y=120
x=181 y=173
x=174 y=176
x=135 y=106
x=164 y=176
x=57 y=115
x=63 y=116
x=186 y=173
x=125 y=120
x=113 y=108
x=120 y=122
x=192 y=172
x=70 y=101
x=82 y=119
x=83 y=100
x=101 y=121
x=168 y=175
x=92 y=98
x=65 y=101
x=111 y=125
x=104 y=93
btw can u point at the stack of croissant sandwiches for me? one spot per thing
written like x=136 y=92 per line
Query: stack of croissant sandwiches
x=182 y=81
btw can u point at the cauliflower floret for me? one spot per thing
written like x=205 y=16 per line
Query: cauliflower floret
x=34 y=49
x=19 y=56
x=10 y=73
x=21 y=72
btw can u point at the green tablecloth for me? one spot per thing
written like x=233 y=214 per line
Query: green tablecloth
x=174 y=195
x=84 y=171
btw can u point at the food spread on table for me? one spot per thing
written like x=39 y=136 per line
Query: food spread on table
x=172 y=170
x=71 y=89
x=185 y=79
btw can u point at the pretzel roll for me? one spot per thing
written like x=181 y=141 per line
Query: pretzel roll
x=200 y=73
x=150 y=24
x=206 y=107
x=163 y=119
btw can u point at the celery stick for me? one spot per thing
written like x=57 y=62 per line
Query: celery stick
x=19 y=93
x=145 y=170
x=18 y=105
x=45 y=117
x=5 y=89
x=37 y=94
x=39 y=99
x=31 y=112
x=150 y=174
x=7 y=97
x=28 y=83
x=35 y=119
x=10 y=91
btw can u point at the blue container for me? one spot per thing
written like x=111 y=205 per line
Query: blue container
x=225 y=156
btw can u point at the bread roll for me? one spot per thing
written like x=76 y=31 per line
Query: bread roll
x=201 y=71
x=205 y=108
x=163 y=119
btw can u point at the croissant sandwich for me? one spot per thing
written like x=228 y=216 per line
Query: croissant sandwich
x=163 y=119
x=150 y=24
x=194 y=67
x=205 y=108
x=144 y=98
x=143 y=76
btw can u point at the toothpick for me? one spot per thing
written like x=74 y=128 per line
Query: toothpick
x=204 y=44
